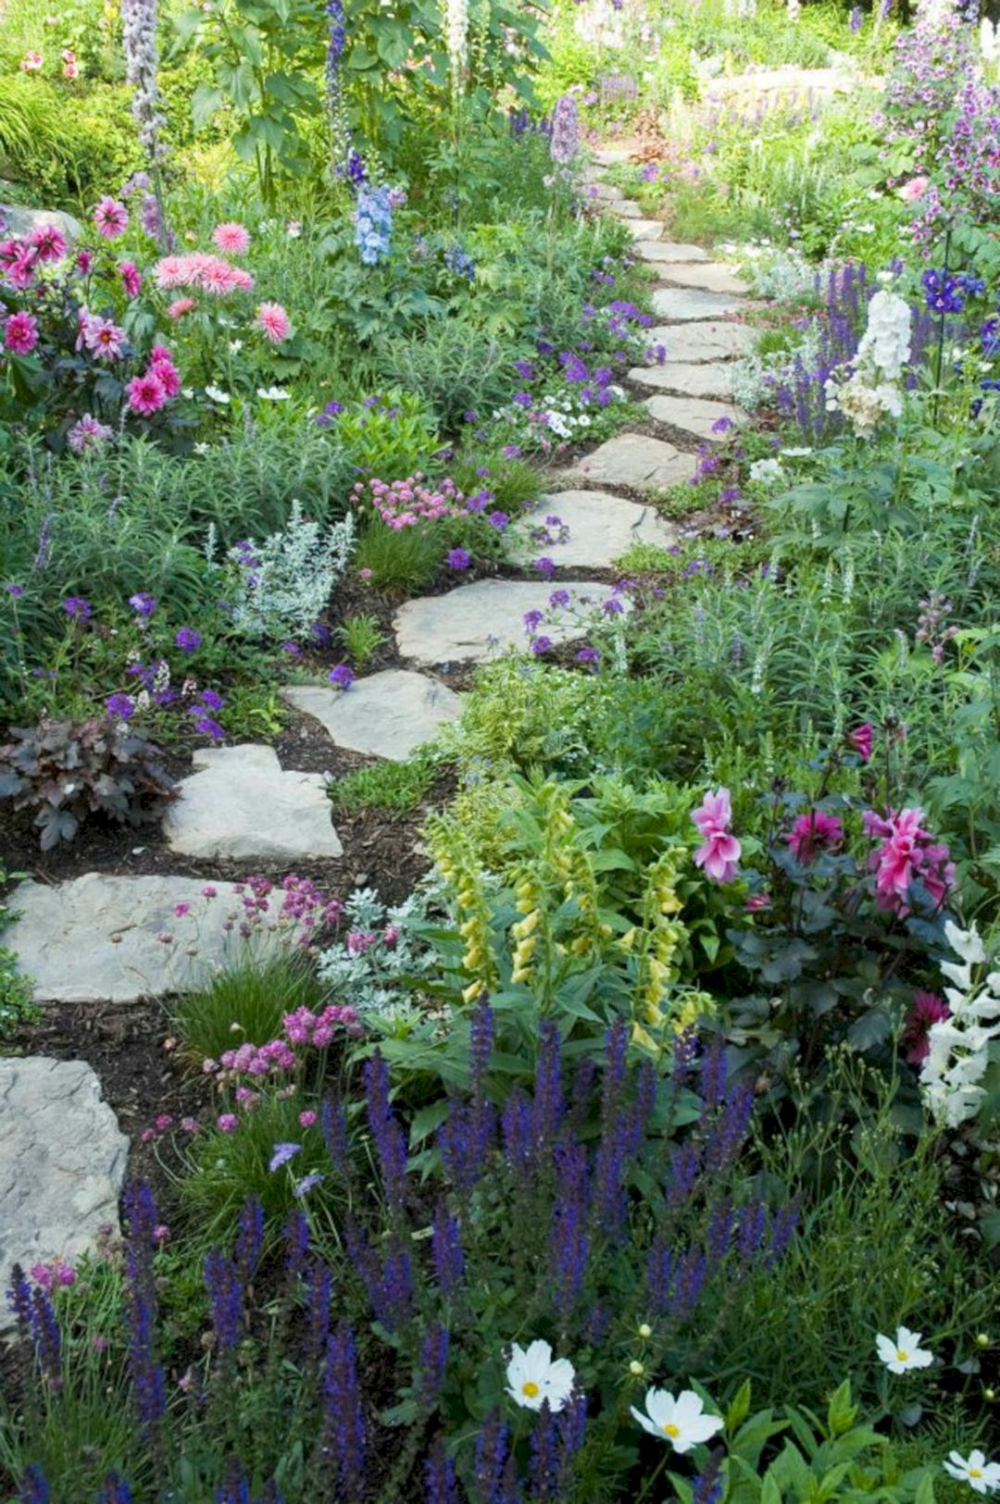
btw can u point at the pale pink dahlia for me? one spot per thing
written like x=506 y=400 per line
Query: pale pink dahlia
x=232 y=238
x=20 y=333
x=720 y=852
x=110 y=218
x=273 y=322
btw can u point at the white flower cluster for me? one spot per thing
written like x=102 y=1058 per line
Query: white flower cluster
x=756 y=377
x=281 y=586
x=456 y=32
x=959 y=1045
x=777 y=274
x=871 y=390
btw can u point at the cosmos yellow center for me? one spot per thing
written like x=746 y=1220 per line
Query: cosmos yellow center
x=974 y=1472
x=901 y=1356
x=671 y=1431
x=530 y=1389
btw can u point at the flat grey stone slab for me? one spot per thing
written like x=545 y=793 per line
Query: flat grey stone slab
x=94 y=939
x=695 y=342
x=20 y=221
x=601 y=528
x=605 y=193
x=609 y=156
x=695 y=415
x=687 y=379
x=626 y=208
x=671 y=252
x=477 y=621
x=637 y=461
x=645 y=229
x=240 y=804
x=384 y=715
x=710 y=276
x=62 y=1163
x=679 y=304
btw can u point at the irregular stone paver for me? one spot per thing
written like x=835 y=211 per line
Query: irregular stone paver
x=782 y=82
x=62 y=1163
x=688 y=303
x=626 y=208
x=636 y=460
x=606 y=193
x=689 y=380
x=671 y=251
x=240 y=804
x=696 y=343
x=645 y=229
x=601 y=529
x=710 y=277
x=94 y=939
x=610 y=156
x=474 y=622
x=384 y=715
x=694 y=415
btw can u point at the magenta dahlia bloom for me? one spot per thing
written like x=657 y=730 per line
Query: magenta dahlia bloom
x=926 y=1010
x=720 y=852
x=49 y=242
x=110 y=218
x=146 y=394
x=907 y=854
x=20 y=333
x=860 y=740
x=131 y=278
x=814 y=833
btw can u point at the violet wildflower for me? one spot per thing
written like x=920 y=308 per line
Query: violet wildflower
x=188 y=640
x=139 y=18
x=387 y=1134
x=433 y=1362
x=249 y=1239
x=459 y=558
x=565 y=139
x=439 y=1477
x=77 y=608
x=225 y=1294
x=545 y=567
x=751 y=1227
x=142 y=603
x=282 y=1155
x=342 y=676
x=540 y=645
x=342 y=1447
x=121 y=706
x=446 y=1250
x=319 y=1285
x=491 y=1457
x=34 y=1488
x=373 y=225
x=296 y=1243
x=115 y=1491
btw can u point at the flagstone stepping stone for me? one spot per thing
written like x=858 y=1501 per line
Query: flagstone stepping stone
x=626 y=208
x=670 y=251
x=384 y=715
x=694 y=414
x=689 y=380
x=645 y=229
x=683 y=303
x=478 y=621
x=610 y=156
x=601 y=528
x=62 y=1163
x=96 y=938
x=606 y=193
x=696 y=343
x=240 y=804
x=710 y=277
x=635 y=460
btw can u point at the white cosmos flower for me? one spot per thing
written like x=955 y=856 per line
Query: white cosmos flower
x=903 y=1352
x=534 y=1377
x=217 y=394
x=273 y=393
x=681 y=1421
x=981 y=1475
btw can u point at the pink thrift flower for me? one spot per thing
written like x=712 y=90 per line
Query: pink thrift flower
x=179 y=307
x=232 y=238
x=860 y=740
x=110 y=218
x=20 y=333
x=227 y=1122
x=146 y=394
x=307 y=1119
x=927 y=1009
x=720 y=852
x=814 y=833
x=31 y=62
x=273 y=322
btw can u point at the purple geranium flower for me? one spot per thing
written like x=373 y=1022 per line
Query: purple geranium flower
x=342 y=676
x=76 y=607
x=541 y=645
x=121 y=706
x=142 y=603
x=458 y=558
x=188 y=640
x=499 y=520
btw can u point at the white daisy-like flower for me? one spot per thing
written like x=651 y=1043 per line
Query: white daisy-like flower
x=903 y=1352
x=273 y=394
x=216 y=394
x=681 y=1421
x=533 y=1377
x=974 y=1470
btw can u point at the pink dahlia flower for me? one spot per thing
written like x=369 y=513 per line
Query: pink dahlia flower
x=273 y=322
x=232 y=238
x=860 y=740
x=179 y=307
x=914 y=189
x=110 y=218
x=720 y=852
x=146 y=394
x=927 y=1009
x=168 y=376
x=103 y=337
x=907 y=854
x=20 y=333
x=49 y=242
x=87 y=433
x=814 y=833
x=131 y=278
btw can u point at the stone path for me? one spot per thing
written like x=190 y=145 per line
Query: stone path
x=241 y=804
x=62 y=1164
x=119 y=940
x=384 y=715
